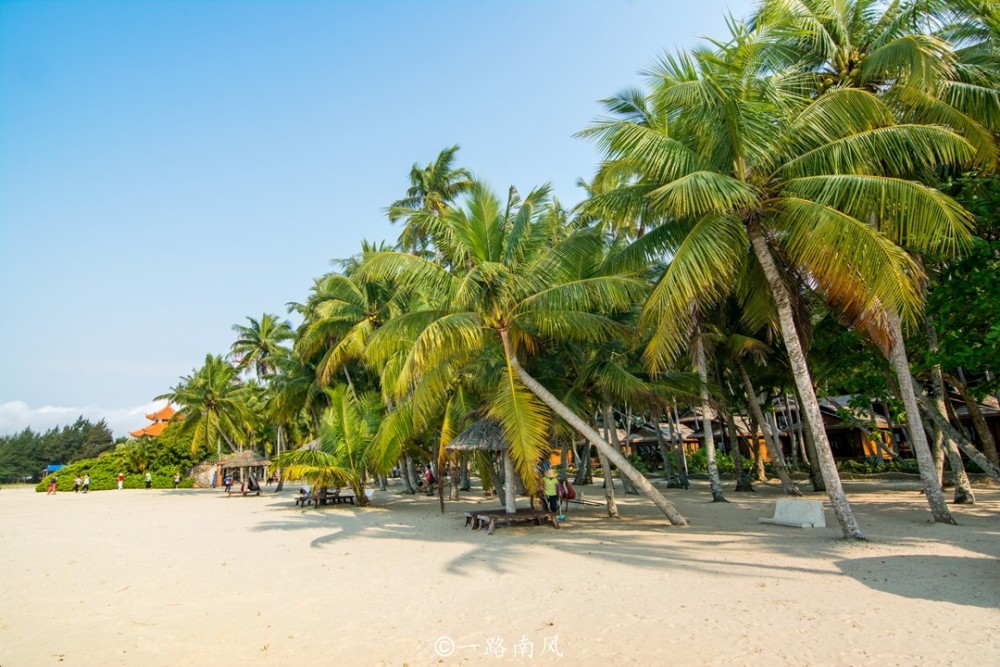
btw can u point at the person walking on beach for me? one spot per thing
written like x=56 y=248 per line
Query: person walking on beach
x=228 y=481
x=149 y=480
x=177 y=479
x=551 y=491
x=86 y=483
x=76 y=484
x=52 y=486
x=121 y=481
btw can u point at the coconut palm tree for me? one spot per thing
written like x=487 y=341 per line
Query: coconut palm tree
x=259 y=343
x=932 y=62
x=510 y=279
x=213 y=405
x=432 y=190
x=345 y=442
x=745 y=164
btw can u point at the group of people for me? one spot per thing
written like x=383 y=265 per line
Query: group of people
x=82 y=484
x=79 y=484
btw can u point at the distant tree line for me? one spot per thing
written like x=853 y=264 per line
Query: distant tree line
x=25 y=455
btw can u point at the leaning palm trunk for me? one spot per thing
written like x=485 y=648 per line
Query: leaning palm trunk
x=960 y=440
x=714 y=481
x=978 y=421
x=770 y=437
x=925 y=461
x=609 y=482
x=963 y=490
x=807 y=397
x=594 y=438
x=616 y=443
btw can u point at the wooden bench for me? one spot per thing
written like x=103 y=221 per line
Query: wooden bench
x=335 y=498
x=490 y=518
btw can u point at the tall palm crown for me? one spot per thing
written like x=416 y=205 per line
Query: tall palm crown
x=513 y=277
x=432 y=190
x=933 y=61
x=213 y=405
x=827 y=180
x=343 y=312
x=260 y=343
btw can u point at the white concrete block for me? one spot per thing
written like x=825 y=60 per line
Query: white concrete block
x=798 y=514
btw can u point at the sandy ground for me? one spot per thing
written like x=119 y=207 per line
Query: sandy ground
x=196 y=578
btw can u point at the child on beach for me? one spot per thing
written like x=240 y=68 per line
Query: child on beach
x=86 y=483
x=52 y=486
x=121 y=481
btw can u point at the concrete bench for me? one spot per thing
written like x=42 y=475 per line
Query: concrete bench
x=798 y=514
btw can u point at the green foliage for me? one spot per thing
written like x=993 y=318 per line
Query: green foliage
x=908 y=466
x=26 y=454
x=698 y=462
x=104 y=471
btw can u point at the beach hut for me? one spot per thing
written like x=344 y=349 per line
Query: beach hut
x=251 y=467
x=486 y=436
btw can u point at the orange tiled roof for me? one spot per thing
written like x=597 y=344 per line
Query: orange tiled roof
x=152 y=431
x=164 y=414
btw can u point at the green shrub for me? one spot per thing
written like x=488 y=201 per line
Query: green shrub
x=698 y=462
x=104 y=475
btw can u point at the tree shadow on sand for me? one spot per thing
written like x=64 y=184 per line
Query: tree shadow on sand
x=961 y=580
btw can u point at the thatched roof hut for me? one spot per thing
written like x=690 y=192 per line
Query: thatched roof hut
x=485 y=435
x=246 y=459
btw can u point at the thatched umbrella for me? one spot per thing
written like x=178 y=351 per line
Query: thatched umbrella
x=486 y=435
x=247 y=459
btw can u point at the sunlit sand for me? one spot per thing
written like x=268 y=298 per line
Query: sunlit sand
x=196 y=578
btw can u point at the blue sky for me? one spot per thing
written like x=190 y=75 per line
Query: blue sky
x=168 y=169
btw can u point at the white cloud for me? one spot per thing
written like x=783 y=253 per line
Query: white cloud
x=15 y=416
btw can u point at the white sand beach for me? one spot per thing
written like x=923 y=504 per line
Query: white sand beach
x=195 y=578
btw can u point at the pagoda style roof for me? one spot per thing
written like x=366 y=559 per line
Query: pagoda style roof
x=151 y=431
x=163 y=414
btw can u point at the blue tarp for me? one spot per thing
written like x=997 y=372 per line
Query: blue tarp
x=53 y=467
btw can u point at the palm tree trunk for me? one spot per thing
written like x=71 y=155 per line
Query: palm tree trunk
x=616 y=443
x=816 y=477
x=918 y=438
x=609 y=482
x=668 y=469
x=714 y=481
x=963 y=489
x=509 y=493
x=960 y=440
x=410 y=472
x=563 y=455
x=281 y=473
x=807 y=397
x=978 y=421
x=675 y=435
x=770 y=437
x=595 y=439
